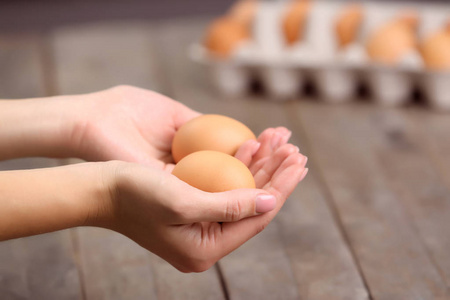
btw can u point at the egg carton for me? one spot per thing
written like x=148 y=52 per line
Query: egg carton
x=336 y=73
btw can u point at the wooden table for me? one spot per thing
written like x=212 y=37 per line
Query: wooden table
x=370 y=220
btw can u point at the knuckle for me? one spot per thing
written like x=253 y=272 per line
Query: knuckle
x=233 y=211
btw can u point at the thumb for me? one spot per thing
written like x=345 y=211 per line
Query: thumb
x=231 y=206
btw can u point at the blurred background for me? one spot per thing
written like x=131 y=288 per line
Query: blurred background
x=43 y=14
x=32 y=15
x=364 y=89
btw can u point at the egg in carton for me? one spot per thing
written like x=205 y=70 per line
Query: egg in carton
x=290 y=41
x=393 y=36
x=267 y=55
x=335 y=44
x=434 y=81
x=227 y=39
x=391 y=45
x=278 y=35
x=333 y=34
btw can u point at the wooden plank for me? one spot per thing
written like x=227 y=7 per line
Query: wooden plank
x=394 y=261
x=43 y=266
x=39 y=267
x=430 y=184
x=113 y=266
x=175 y=285
x=302 y=253
x=91 y=58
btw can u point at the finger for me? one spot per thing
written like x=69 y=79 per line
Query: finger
x=229 y=206
x=266 y=171
x=266 y=147
x=271 y=139
x=284 y=136
x=236 y=233
x=254 y=168
x=247 y=150
x=294 y=165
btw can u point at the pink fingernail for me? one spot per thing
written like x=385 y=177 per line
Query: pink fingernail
x=275 y=140
x=256 y=147
x=305 y=160
x=304 y=174
x=288 y=136
x=265 y=203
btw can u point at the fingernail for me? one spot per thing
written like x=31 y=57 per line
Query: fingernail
x=288 y=136
x=256 y=147
x=304 y=174
x=275 y=140
x=265 y=203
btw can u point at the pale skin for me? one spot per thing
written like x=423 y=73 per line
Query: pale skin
x=125 y=133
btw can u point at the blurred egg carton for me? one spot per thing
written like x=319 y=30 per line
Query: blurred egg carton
x=336 y=71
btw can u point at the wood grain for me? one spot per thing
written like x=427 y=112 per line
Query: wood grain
x=429 y=180
x=94 y=57
x=394 y=261
x=43 y=266
x=302 y=253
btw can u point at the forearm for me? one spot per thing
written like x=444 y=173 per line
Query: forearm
x=45 y=200
x=36 y=127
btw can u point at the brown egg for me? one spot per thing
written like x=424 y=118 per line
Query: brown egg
x=243 y=11
x=213 y=171
x=348 y=24
x=294 y=21
x=392 y=41
x=210 y=132
x=435 y=50
x=224 y=35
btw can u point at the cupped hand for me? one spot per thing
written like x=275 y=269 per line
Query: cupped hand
x=128 y=123
x=192 y=229
x=188 y=228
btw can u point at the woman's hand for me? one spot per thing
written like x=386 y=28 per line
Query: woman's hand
x=192 y=229
x=127 y=123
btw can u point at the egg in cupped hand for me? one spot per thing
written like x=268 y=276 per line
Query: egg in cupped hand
x=203 y=149
x=210 y=132
x=213 y=171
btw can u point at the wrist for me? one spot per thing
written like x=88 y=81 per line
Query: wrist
x=102 y=210
x=69 y=196
x=36 y=127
